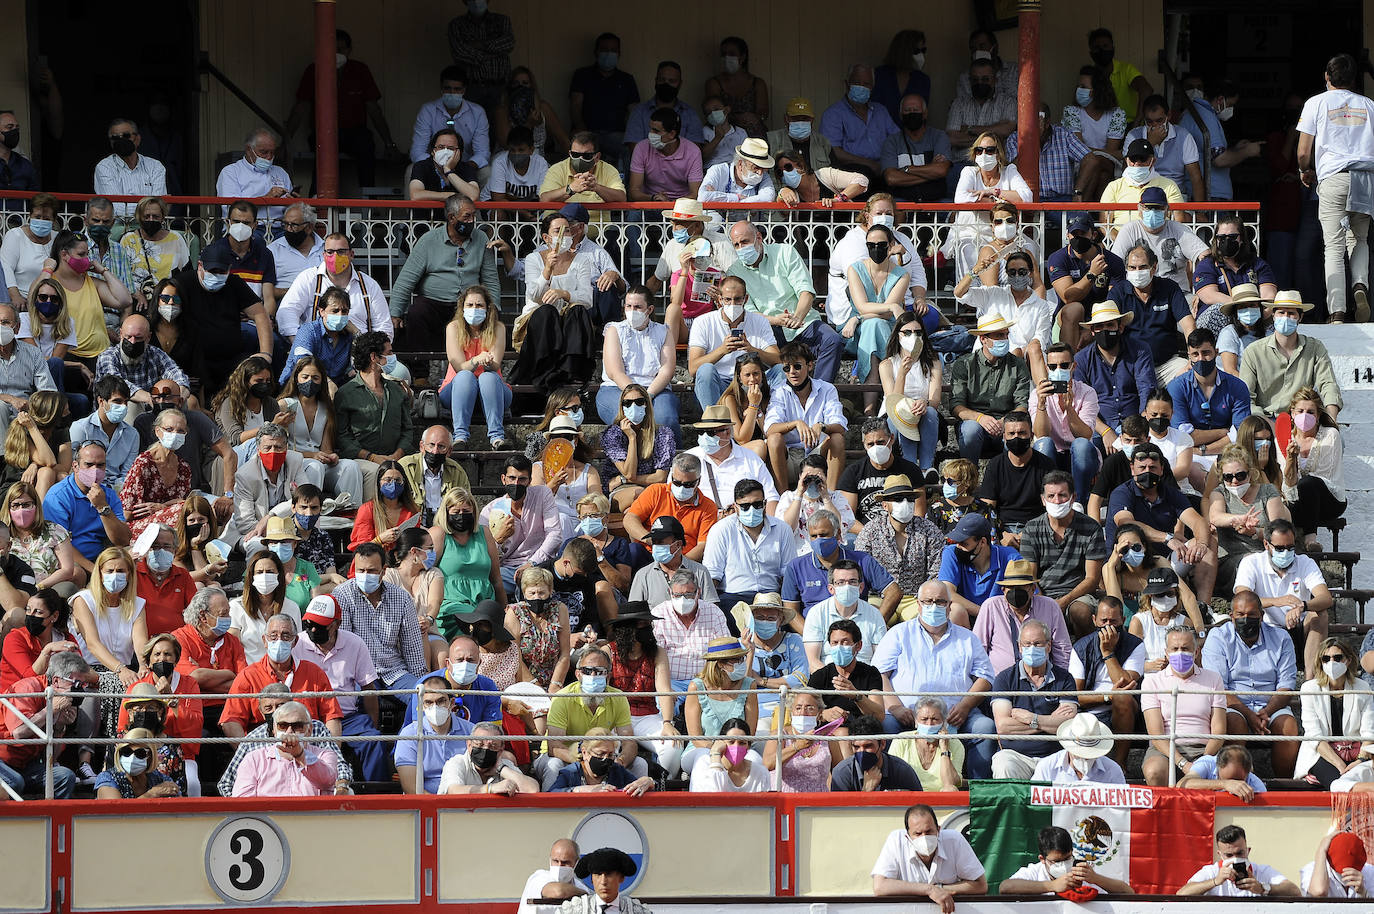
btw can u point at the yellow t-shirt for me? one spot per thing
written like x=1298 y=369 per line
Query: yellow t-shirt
x=1123 y=74
x=1123 y=191
x=905 y=749
x=89 y=319
x=560 y=175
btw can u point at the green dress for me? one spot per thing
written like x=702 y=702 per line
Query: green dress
x=467 y=578
x=300 y=584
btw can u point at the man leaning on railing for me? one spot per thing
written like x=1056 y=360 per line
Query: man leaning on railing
x=22 y=767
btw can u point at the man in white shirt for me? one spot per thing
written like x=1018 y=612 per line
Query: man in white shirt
x=1235 y=875
x=126 y=173
x=1031 y=317
x=555 y=882
x=1336 y=137
x=450 y=109
x=718 y=338
x=256 y=175
x=723 y=463
x=924 y=859
x=804 y=416
x=746 y=551
x=1340 y=869
x=1291 y=588
x=297 y=247
x=516 y=171
x=1056 y=871
x=1087 y=742
x=1177 y=246
x=368 y=307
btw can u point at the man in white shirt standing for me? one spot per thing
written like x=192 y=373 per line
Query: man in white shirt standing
x=368 y=309
x=1336 y=138
x=1029 y=316
x=723 y=463
x=555 y=882
x=1235 y=874
x=924 y=859
x=126 y=173
x=1340 y=869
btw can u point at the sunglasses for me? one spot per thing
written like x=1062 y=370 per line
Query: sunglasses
x=687 y=485
x=990 y=150
x=169 y=299
x=292 y=726
x=794 y=366
x=1058 y=365
x=750 y=504
x=637 y=402
x=593 y=670
x=142 y=752
x=1019 y=273
x=1229 y=235
x=1235 y=477
x=47 y=299
x=1003 y=221
x=1326 y=657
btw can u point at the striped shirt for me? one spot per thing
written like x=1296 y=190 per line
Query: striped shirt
x=686 y=643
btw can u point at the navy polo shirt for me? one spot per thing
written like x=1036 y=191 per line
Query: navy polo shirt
x=1161 y=514
x=1156 y=320
x=1065 y=262
x=257 y=265
x=1228 y=406
x=1030 y=698
x=807 y=581
x=606 y=98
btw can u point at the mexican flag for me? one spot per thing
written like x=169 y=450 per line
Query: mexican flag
x=1154 y=838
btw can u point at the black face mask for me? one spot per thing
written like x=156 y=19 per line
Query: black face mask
x=965 y=555
x=308 y=388
x=516 y=491
x=268 y=720
x=1203 y=368
x=877 y=251
x=482 y=759
x=481 y=635
x=133 y=349
x=646 y=639
x=150 y=226
x=600 y=766
x=982 y=91
x=262 y=389
x=1018 y=597
x=799 y=385
x=462 y=521
x=163 y=668
x=294 y=237
x=1108 y=339
x=913 y=121
x=1247 y=628
x=147 y=719
x=35 y=625
x=520 y=162
x=1228 y=247
x=193 y=530
x=1080 y=245
x=665 y=93
x=319 y=634
x=1103 y=57
x=1159 y=424
x=434 y=461
x=464 y=229
x=1018 y=446
x=100 y=234
x=122 y=147
x=580 y=163
x=1146 y=480
x=539 y=606
x=10 y=138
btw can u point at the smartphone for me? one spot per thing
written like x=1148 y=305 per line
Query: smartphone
x=1241 y=869
x=737 y=333
x=1060 y=387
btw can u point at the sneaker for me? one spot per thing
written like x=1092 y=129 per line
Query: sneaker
x=932 y=477
x=1361 y=302
x=85 y=774
x=498 y=444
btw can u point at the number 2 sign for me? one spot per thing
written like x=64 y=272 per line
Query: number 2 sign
x=247 y=859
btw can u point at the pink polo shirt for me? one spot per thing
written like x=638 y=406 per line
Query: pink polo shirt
x=1194 y=710
x=349 y=665
x=669 y=175
x=266 y=772
x=999 y=631
x=1084 y=403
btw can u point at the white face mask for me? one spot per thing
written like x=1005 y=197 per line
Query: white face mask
x=561 y=873
x=638 y=319
x=564 y=244
x=925 y=845
x=1239 y=490
x=903 y=511
x=732 y=312
x=907 y=341
x=1059 y=510
x=1334 y=669
x=240 y=231
x=1006 y=231
x=986 y=161
x=879 y=454
x=1058 y=868
x=803 y=723
x=443 y=155
x=436 y=715
x=1139 y=278
x=265 y=583
x=1164 y=604
x=886 y=219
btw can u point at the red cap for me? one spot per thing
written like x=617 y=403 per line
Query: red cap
x=322 y=610
x=1346 y=852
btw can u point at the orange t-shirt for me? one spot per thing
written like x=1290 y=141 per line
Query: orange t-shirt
x=306 y=677
x=696 y=517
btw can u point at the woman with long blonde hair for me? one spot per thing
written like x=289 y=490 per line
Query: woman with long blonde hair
x=719 y=694
x=638 y=452
x=475 y=343
x=48 y=325
x=111 y=629
x=28 y=455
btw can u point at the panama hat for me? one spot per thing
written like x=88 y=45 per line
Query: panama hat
x=1084 y=736
x=743 y=612
x=756 y=151
x=723 y=649
x=686 y=209
x=1245 y=293
x=992 y=322
x=899 y=410
x=1018 y=573
x=1290 y=298
x=1105 y=311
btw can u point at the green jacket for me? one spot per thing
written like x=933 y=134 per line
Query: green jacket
x=363 y=424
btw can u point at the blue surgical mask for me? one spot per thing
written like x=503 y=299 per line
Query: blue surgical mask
x=792 y=178
x=765 y=630
x=1060 y=374
x=1286 y=325
x=114 y=581
x=1128 y=450
x=594 y=684
x=738 y=672
x=430 y=558
x=591 y=526
x=261 y=164
x=824 y=545
x=751 y=517
x=1153 y=219
x=928 y=730
x=716 y=117
x=1282 y=558
x=635 y=413
x=367 y=581
x=222 y=624
x=390 y=489
x=1083 y=96
x=681 y=236
x=389 y=364
x=1136 y=174
x=575 y=416
x=213 y=282
x=949 y=490
x=453 y=100
x=462 y=672
x=860 y=95
x=842 y=654
x=846 y=594
x=283 y=551
x=607 y=60
x=41 y=227
x=1133 y=558
x=799 y=130
x=279 y=651
x=335 y=322
x=663 y=553
x=1000 y=348
x=159 y=560
x=1034 y=656
x=116 y=412
x=934 y=615
x=1248 y=316
x=711 y=444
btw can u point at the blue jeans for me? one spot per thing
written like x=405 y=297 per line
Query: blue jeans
x=460 y=395
x=1081 y=460
x=373 y=757
x=869 y=339
x=974 y=441
x=708 y=386
x=977 y=752
x=921 y=453
x=31 y=779
x=665 y=406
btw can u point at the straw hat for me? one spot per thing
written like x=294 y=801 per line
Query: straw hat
x=1246 y=293
x=1084 y=736
x=756 y=151
x=743 y=613
x=723 y=649
x=900 y=410
x=1290 y=298
x=714 y=417
x=686 y=209
x=992 y=322
x=282 y=528
x=1018 y=573
x=1105 y=311
x=897 y=485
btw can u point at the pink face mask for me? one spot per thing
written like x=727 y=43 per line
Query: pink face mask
x=23 y=517
x=90 y=476
x=735 y=753
x=79 y=264
x=1305 y=421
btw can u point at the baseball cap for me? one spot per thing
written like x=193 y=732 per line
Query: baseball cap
x=574 y=212
x=1154 y=196
x=1139 y=148
x=215 y=258
x=1081 y=223
x=800 y=107
x=970 y=525
x=666 y=527
x=321 y=610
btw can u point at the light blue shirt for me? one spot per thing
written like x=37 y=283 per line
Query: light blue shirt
x=845 y=130
x=1206 y=768
x=723 y=188
x=1218 y=179
x=469 y=120
x=240 y=179
x=1178 y=150
x=744 y=564
x=1058 y=769
x=791 y=664
x=918 y=664
x=820 y=617
x=291 y=262
x=120 y=449
x=1269 y=666
x=436 y=751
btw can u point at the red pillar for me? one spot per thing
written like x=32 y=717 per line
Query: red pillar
x=326 y=102
x=1028 y=95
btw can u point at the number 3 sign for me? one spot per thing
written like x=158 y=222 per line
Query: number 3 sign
x=247 y=859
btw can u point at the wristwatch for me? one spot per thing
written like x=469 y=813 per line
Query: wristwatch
x=105 y=511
